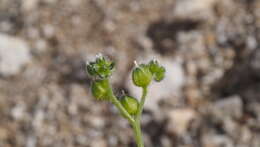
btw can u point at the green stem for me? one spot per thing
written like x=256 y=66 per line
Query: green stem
x=141 y=105
x=135 y=122
x=119 y=106
x=138 y=134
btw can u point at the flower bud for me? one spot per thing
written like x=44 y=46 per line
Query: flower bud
x=157 y=70
x=141 y=76
x=99 y=89
x=130 y=104
x=153 y=66
x=101 y=67
x=159 y=75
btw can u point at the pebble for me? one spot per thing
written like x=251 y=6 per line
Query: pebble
x=215 y=140
x=14 y=54
x=99 y=142
x=194 y=8
x=180 y=119
x=231 y=107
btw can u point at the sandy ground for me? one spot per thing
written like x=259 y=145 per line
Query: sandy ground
x=210 y=48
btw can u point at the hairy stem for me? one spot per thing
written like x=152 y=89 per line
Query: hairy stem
x=141 y=105
x=137 y=125
x=138 y=134
x=120 y=107
x=135 y=122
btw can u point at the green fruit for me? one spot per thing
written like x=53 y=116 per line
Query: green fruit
x=142 y=76
x=100 y=89
x=153 y=66
x=159 y=75
x=157 y=70
x=130 y=104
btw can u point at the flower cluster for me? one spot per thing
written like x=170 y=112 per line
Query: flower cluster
x=101 y=69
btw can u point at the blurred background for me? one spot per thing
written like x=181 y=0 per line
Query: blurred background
x=209 y=98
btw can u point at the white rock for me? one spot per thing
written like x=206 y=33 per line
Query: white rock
x=14 y=53
x=230 y=107
x=231 y=127
x=169 y=87
x=18 y=112
x=97 y=121
x=31 y=141
x=255 y=141
x=28 y=5
x=214 y=140
x=99 y=143
x=193 y=8
x=38 y=118
x=166 y=142
x=180 y=119
x=48 y=30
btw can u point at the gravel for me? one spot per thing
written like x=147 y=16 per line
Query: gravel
x=209 y=98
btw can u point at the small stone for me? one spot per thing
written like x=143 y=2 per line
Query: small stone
x=214 y=140
x=112 y=140
x=97 y=121
x=166 y=142
x=14 y=53
x=193 y=8
x=191 y=68
x=229 y=107
x=38 y=118
x=48 y=30
x=245 y=135
x=231 y=127
x=28 y=5
x=256 y=141
x=193 y=95
x=251 y=42
x=31 y=141
x=4 y=133
x=99 y=142
x=41 y=45
x=180 y=119
x=18 y=112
